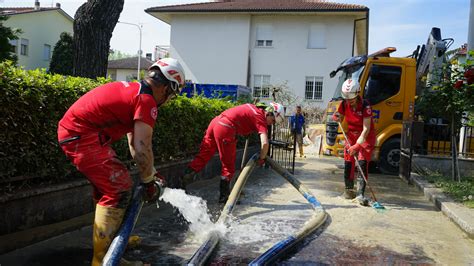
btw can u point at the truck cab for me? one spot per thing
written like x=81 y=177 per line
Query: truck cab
x=389 y=85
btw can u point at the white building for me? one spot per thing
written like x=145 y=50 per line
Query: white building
x=41 y=28
x=266 y=43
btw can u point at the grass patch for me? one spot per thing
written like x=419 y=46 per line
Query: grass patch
x=460 y=191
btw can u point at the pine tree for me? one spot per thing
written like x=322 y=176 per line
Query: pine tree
x=7 y=34
x=61 y=62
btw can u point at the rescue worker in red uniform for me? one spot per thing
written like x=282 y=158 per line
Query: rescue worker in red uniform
x=221 y=135
x=361 y=135
x=101 y=117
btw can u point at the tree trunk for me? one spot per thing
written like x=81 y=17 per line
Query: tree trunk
x=454 y=151
x=94 y=23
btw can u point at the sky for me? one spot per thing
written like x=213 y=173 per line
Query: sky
x=403 y=24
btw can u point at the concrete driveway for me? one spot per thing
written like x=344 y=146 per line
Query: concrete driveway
x=410 y=231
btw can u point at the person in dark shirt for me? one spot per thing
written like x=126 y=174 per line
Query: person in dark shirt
x=297 y=122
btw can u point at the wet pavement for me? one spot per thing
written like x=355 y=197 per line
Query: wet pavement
x=410 y=231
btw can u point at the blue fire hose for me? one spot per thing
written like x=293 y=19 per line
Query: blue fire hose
x=202 y=254
x=119 y=244
x=317 y=219
x=279 y=249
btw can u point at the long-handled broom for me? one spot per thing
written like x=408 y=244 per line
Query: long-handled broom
x=375 y=203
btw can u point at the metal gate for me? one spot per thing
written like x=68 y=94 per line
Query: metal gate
x=282 y=145
x=434 y=140
x=411 y=139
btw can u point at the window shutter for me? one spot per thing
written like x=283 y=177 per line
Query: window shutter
x=317 y=36
x=265 y=33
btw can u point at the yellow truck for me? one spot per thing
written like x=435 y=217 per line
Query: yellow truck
x=390 y=86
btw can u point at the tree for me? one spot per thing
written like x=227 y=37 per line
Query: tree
x=450 y=99
x=282 y=93
x=94 y=23
x=115 y=54
x=7 y=34
x=61 y=62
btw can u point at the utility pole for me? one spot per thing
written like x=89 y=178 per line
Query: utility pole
x=139 y=47
x=470 y=30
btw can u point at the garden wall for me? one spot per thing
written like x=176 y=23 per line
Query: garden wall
x=38 y=214
x=442 y=165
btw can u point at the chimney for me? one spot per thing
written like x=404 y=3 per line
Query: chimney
x=58 y=5
x=37 y=5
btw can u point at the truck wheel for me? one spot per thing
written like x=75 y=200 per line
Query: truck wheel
x=389 y=162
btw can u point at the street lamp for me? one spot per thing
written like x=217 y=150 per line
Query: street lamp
x=140 y=47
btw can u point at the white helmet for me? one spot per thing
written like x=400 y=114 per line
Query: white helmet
x=173 y=71
x=350 y=89
x=278 y=111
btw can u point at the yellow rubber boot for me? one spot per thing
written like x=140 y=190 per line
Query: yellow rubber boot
x=106 y=223
x=301 y=151
x=134 y=241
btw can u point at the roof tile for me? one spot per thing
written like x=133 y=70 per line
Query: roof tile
x=260 y=6
x=129 y=63
x=21 y=10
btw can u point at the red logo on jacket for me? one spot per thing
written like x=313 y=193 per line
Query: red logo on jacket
x=154 y=113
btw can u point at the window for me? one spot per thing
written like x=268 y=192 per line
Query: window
x=261 y=86
x=47 y=52
x=14 y=46
x=314 y=88
x=24 y=47
x=317 y=36
x=264 y=36
x=383 y=83
x=131 y=77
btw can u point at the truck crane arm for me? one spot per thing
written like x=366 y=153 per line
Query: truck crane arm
x=431 y=58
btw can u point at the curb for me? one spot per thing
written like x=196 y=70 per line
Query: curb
x=462 y=216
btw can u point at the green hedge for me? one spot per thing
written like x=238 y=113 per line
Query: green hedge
x=32 y=102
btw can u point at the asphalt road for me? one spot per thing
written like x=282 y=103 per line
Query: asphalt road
x=410 y=231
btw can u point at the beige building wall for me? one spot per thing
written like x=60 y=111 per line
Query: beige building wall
x=39 y=30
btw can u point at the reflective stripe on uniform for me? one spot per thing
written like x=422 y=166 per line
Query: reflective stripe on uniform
x=251 y=108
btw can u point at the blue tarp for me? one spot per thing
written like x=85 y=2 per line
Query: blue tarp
x=215 y=90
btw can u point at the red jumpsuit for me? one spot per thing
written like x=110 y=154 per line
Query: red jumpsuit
x=92 y=123
x=221 y=135
x=354 y=119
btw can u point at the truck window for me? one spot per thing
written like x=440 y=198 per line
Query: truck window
x=353 y=72
x=383 y=83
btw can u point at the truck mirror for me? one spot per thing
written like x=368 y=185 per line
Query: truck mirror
x=332 y=74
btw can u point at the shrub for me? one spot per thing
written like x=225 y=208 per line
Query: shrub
x=32 y=102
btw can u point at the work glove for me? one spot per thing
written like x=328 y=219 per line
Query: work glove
x=354 y=149
x=154 y=189
x=261 y=162
x=347 y=146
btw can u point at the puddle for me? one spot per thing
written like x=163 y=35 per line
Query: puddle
x=327 y=249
